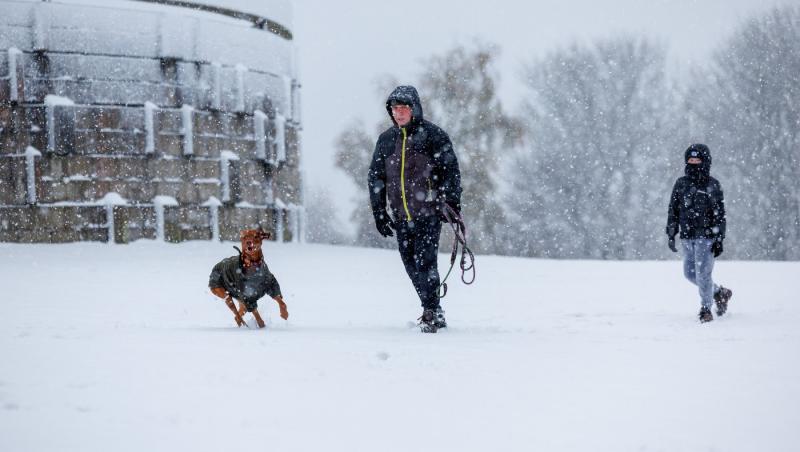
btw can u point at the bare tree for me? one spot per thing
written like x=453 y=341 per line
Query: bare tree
x=354 y=148
x=593 y=176
x=747 y=106
x=459 y=90
x=322 y=224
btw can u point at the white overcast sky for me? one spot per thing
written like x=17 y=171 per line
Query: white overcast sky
x=344 y=45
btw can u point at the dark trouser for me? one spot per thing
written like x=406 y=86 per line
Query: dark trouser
x=418 y=242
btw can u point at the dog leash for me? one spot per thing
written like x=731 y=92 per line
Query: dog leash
x=459 y=238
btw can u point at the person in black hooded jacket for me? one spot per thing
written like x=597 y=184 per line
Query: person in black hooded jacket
x=415 y=168
x=697 y=209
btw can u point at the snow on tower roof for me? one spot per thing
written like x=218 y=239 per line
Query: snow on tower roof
x=278 y=10
x=275 y=15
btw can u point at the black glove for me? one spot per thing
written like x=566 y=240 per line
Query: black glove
x=384 y=223
x=671 y=244
x=716 y=247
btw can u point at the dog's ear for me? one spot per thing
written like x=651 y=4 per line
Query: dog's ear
x=264 y=235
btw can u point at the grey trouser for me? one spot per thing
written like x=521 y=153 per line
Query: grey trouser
x=698 y=262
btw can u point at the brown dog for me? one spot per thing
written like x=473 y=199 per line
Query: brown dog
x=246 y=278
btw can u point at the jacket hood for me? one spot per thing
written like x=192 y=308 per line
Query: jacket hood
x=702 y=170
x=406 y=94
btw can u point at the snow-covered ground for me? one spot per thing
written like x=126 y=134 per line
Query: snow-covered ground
x=122 y=348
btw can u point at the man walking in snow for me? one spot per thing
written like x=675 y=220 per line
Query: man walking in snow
x=697 y=208
x=415 y=168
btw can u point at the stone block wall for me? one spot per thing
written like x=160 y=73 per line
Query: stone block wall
x=93 y=140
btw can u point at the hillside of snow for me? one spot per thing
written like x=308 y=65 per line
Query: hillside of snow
x=123 y=348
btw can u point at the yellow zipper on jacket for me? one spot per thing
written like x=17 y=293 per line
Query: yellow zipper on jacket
x=403 y=174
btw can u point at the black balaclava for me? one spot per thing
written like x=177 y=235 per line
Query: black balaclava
x=700 y=172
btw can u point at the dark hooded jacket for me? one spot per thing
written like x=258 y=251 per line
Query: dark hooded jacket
x=414 y=166
x=697 y=206
x=246 y=286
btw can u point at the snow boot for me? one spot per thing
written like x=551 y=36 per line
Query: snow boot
x=721 y=298
x=427 y=321
x=438 y=318
x=705 y=315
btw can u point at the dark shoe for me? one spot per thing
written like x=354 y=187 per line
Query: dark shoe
x=721 y=298
x=427 y=321
x=438 y=318
x=705 y=315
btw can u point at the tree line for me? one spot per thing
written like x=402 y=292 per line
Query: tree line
x=584 y=168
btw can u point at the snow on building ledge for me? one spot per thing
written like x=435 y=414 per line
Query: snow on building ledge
x=113 y=199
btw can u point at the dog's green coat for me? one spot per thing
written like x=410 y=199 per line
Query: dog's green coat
x=246 y=286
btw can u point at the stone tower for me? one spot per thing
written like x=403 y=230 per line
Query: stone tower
x=157 y=119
